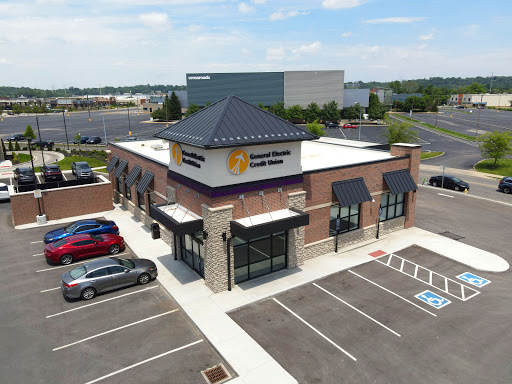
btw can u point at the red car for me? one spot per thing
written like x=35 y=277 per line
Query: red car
x=350 y=126
x=76 y=247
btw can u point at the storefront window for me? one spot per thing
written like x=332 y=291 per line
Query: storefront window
x=392 y=206
x=192 y=251
x=140 y=201
x=258 y=257
x=349 y=218
x=119 y=184
x=127 y=192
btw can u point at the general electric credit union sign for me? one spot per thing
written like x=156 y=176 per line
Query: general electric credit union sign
x=239 y=160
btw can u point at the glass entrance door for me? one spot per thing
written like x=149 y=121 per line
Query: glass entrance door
x=192 y=251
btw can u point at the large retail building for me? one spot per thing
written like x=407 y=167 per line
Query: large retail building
x=240 y=193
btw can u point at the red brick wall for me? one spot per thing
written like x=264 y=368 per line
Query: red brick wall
x=62 y=203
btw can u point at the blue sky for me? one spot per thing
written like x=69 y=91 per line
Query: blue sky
x=58 y=43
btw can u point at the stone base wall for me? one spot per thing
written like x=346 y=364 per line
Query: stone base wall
x=296 y=236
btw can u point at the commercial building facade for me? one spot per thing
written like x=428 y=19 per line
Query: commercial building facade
x=240 y=193
x=291 y=87
x=503 y=100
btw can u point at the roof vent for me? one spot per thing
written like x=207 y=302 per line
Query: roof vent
x=157 y=147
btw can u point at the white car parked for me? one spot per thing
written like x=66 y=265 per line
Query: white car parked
x=4 y=192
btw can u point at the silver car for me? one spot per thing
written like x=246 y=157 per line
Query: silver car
x=104 y=275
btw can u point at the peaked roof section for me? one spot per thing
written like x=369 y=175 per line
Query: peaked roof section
x=233 y=122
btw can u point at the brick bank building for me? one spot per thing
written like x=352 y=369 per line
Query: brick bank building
x=240 y=193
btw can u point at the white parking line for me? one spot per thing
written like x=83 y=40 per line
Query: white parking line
x=393 y=293
x=38 y=254
x=77 y=263
x=145 y=361
x=100 y=302
x=34 y=242
x=48 y=290
x=354 y=308
x=115 y=329
x=64 y=177
x=314 y=329
x=442 y=194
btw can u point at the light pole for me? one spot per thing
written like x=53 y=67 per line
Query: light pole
x=359 y=105
x=478 y=122
x=40 y=141
x=65 y=129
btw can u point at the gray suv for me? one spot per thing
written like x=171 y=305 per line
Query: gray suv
x=81 y=170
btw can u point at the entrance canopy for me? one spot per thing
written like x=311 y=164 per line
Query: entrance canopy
x=176 y=218
x=267 y=223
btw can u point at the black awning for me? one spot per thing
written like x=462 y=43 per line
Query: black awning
x=299 y=219
x=176 y=227
x=147 y=178
x=112 y=163
x=400 y=181
x=120 y=168
x=132 y=176
x=353 y=191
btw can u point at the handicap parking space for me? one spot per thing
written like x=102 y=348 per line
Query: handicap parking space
x=352 y=326
x=138 y=333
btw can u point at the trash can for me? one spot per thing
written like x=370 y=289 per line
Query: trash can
x=155 y=231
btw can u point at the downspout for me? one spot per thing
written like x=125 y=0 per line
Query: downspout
x=228 y=244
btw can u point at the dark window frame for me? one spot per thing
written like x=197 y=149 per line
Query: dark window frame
x=391 y=208
x=332 y=232
x=127 y=192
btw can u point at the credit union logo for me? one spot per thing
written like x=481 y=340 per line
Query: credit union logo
x=176 y=153
x=238 y=162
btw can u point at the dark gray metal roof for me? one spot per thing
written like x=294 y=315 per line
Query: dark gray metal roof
x=132 y=176
x=145 y=181
x=233 y=122
x=112 y=163
x=353 y=191
x=400 y=181
x=120 y=168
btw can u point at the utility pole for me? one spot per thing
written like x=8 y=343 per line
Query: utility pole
x=478 y=122
x=88 y=107
x=490 y=89
x=129 y=126
x=437 y=113
x=65 y=129
x=40 y=141
x=359 y=121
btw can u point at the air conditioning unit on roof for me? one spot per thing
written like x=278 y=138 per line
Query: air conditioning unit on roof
x=157 y=147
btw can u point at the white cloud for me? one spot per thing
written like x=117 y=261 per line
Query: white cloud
x=154 y=19
x=311 y=48
x=259 y=1
x=471 y=30
x=342 y=4
x=283 y=15
x=429 y=36
x=3 y=60
x=245 y=8
x=399 y=20
x=275 y=54
x=346 y=34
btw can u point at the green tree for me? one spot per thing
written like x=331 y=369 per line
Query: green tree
x=312 y=112
x=414 y=103
x=496 y=145
x=29 y=132
x=17 y=109
x=278 y=109
x=476 y=88
x=376 y=110
x=315 y=128
x=159 y=114
x=10 y=146
x=260 y=105
x=353 y=112
x=399 y=132
x=174 y=107
x=330 y=111
x=4 y=150
x=294 y=113
x=17 y=146
x=396 y=86
x=78 y=138
x=192 y=108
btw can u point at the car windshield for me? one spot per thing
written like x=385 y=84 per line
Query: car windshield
x=60 y=243
x=97 y=238
x=126 y=263
x=78 y=272
x=457 y=180
x=82 y=166
x=70 y=228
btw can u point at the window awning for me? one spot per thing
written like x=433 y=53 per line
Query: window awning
x=147 y=178
x=120 y=168
x=268 y=223
x=400 y=181
x=353 y=191
x=132 y=176
x=176 y=218
x=112 y=163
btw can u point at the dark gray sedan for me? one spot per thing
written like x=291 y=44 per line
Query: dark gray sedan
x=104 y=275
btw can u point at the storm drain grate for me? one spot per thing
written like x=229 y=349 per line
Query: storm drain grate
x=451 y=235
x=216 y=375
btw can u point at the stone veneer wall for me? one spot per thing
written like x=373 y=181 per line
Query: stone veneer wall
x=296 y=236
x=353 y=237
x=216 y=221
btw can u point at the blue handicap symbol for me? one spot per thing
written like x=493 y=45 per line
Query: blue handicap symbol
x=432 y=299
x=474 y=279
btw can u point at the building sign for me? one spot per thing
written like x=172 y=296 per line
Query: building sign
x=194 y=156
x=239 y=160
x=176 y=153
x=207 y=77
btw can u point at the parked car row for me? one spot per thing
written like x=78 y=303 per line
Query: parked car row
x=88 y=140
x=89 y=238
x=450 y=182
x=52 y=172
x=50 y=143
x=329 y=124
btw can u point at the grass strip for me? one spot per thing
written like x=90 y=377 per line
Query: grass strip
x=503 y=167
x=65 y=164
x=428 y=155
x=439 y=129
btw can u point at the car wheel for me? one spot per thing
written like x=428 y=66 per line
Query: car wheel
x=434 y=183
x=114 y=249
x=144 y=279
x=507 y=190
x=88 y=293
x=66 y=259
x=457 y=188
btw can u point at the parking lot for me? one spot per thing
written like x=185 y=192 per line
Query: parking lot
x=133 y=334
x=374 y=324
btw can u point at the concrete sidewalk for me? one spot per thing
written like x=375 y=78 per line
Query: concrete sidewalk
x=434 y=169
